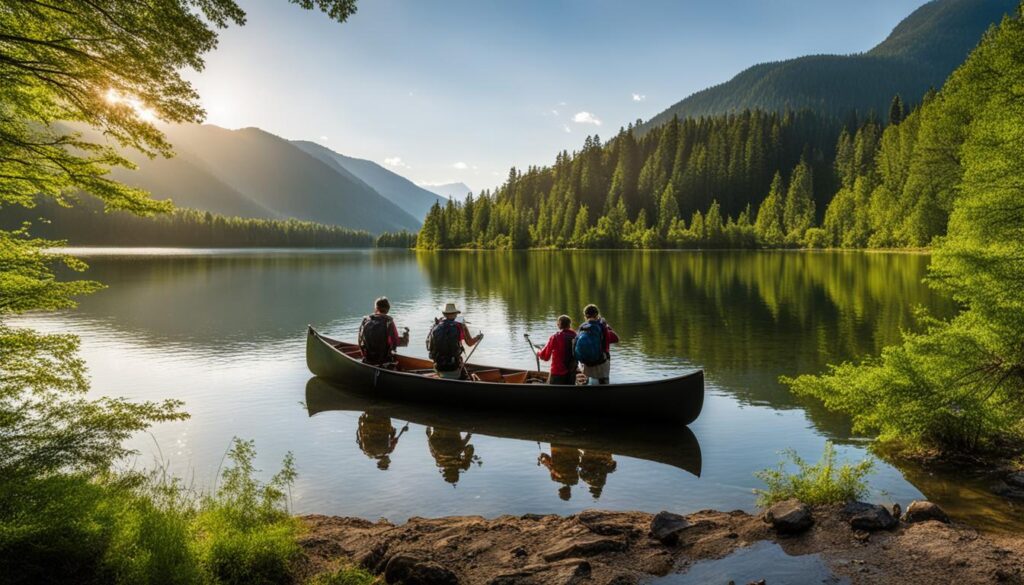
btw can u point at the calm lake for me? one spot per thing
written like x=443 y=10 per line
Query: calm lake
x=224 y=331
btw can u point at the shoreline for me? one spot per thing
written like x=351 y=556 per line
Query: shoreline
x=625 y=548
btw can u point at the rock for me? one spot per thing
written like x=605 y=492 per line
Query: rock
x=623 y=579
x=666 y=527
x=533 y=517
x=897 y=511
x=583 y=548
x=375 y=559
x=518 y=552
x=411 y=570
x=567 y=572
x=606 y=523
x=1008 y=491
x=1015 y=479
x=870 y=517
x=759 y=582
x=923 y=512
x=789 y=517
x=862 y=535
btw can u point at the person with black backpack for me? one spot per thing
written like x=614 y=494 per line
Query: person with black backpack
x=593 y=346
x=560 y=351
x=444 y=343
x=378 y=335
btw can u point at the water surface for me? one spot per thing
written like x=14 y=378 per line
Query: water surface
x=225 y=332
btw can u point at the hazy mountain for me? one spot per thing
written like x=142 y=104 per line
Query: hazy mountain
x=919 y=54
x=252 y=173
x=457 y=191
x=401 y=191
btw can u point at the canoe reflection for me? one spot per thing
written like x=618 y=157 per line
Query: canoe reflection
x=580 y=448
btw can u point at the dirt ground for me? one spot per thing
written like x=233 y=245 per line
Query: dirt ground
x=618 y=548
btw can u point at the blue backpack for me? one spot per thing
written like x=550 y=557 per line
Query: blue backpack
x=590 y=344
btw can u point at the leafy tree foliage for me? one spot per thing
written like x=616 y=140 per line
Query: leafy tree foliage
x=960 y=384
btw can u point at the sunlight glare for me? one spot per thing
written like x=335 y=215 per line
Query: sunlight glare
x=142 y=112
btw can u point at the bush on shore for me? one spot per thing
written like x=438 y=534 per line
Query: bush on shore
x=824 y=482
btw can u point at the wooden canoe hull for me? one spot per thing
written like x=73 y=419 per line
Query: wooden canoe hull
x=678 y=400
x=673 y=445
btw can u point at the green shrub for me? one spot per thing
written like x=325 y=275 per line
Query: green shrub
x=821 y=483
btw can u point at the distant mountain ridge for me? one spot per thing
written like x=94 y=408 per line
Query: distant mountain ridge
x=253 y=173
x=919 y=54
x=412 y=198
x=456 y=191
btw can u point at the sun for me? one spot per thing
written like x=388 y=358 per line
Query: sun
x=142 y=112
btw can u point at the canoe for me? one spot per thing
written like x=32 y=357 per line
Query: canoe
x=676 y=400
x=673 y=445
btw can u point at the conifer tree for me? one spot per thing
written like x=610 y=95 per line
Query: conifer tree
x=768 y=227
x=798 y=211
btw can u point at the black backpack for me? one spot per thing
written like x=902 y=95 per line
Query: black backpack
x=373 y=339
x=444 y=346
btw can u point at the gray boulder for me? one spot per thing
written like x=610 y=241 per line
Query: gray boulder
x=789 y=517
x=666 y=527
x=869 y=517
x=923 y=512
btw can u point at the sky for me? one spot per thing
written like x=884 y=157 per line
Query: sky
x=462 y=90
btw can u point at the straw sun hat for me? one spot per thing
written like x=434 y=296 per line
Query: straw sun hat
x=449 y=308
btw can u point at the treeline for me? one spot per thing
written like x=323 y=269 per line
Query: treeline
x=403 y=239
x=748 y=180
x=86 y=224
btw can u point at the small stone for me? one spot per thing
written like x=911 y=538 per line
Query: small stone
x=666 y=527
x=870 y=517
x=862 y=535
x=789 y=517
x=519 y=552
x=411 y=570
x=759 y=582
x=897 y=511
x=923 y=512
x=623 y=579
x=732 y=535
x=533 y=517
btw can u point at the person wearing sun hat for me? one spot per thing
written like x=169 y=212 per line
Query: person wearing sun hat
x=444 y=343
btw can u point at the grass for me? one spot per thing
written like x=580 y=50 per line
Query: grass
x=824 y=482
x=345 y=576
x=136 y=529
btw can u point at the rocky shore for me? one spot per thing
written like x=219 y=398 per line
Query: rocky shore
x=860 y=543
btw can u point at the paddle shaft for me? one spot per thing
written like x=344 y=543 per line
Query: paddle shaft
x=526 y=336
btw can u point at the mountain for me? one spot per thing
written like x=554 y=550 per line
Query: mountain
x=456 y=191
x=402 y=192
x=919 y=54
x=252 y=173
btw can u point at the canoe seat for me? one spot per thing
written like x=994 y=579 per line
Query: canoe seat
x=489 y=375
x=516 y=378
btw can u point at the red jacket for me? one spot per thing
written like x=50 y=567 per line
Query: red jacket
x=559 y=351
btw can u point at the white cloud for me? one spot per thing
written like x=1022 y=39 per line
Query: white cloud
x=567 y=129
x=460 y=166
x=561 y=103
x=639 y=97
x=586 y=118
x=324 y=139
x=395 y=161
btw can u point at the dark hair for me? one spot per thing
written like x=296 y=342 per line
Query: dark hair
x=564 y=322
x=382 y=304
x=591 y=311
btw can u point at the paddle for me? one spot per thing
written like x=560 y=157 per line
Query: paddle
x=465 y=362
x=526 y=336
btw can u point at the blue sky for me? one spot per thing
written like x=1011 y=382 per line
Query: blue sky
x=462 y=90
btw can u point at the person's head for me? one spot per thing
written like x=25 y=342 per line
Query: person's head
x=450 y=311
x=591 y=312
x=382 y=305
x=564 y=322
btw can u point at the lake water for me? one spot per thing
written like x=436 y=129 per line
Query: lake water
x=224 y=331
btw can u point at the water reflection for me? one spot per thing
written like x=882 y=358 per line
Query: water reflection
x=377 y=438
x=452 y=452
x=568 y=465
x=579 y=448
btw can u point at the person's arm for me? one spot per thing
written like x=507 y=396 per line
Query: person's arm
x=397 y=341
x=470 y=341
x=546 y=353
x=610 y=333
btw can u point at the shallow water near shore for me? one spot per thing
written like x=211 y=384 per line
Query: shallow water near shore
x=224 y=331
x=762 y=560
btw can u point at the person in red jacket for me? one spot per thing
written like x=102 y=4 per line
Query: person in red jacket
x=559 y=352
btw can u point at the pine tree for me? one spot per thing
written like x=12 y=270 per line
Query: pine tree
x=768 y=227
x=668 y=211
x=798 y=211
x=896 y=111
